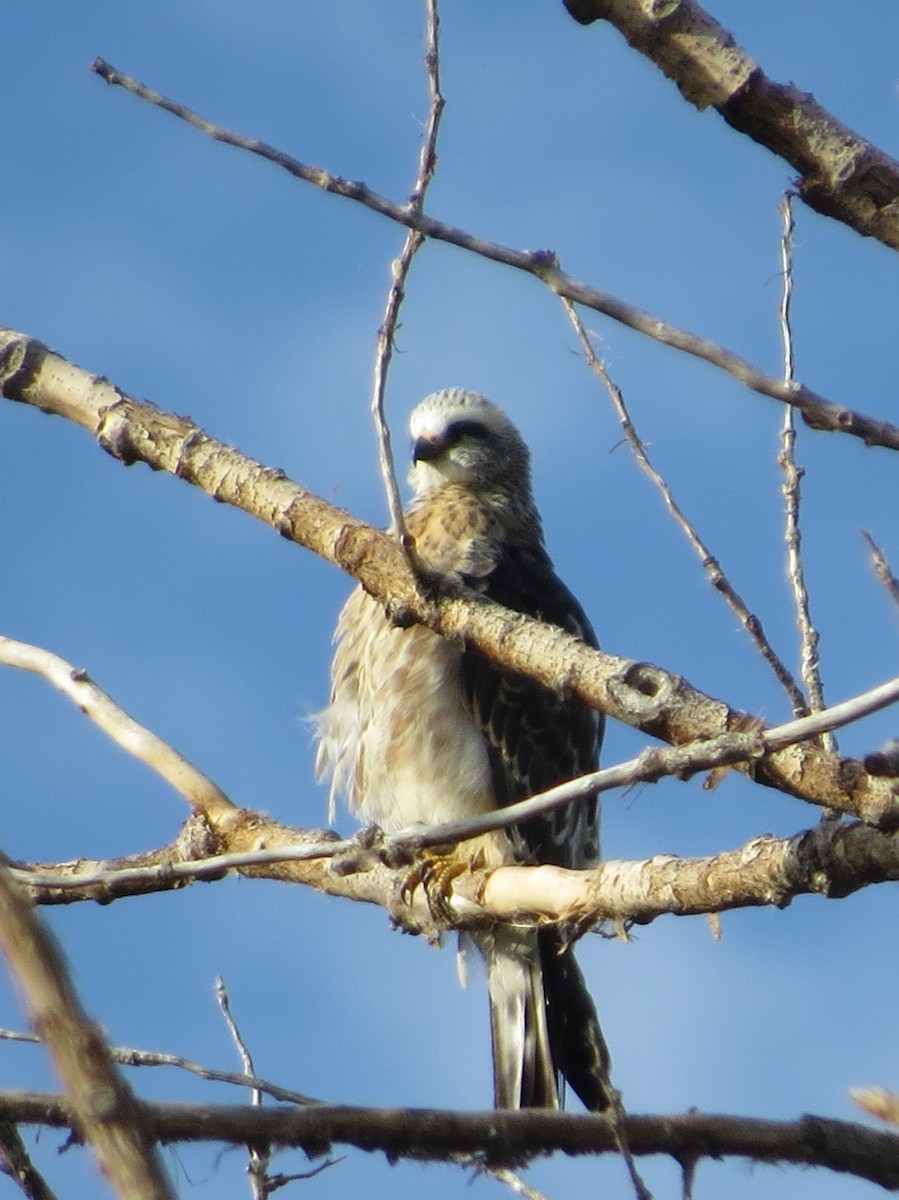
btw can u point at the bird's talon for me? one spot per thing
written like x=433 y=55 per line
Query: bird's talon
x=435 y=874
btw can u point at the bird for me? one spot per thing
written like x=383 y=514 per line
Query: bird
x=419 y=730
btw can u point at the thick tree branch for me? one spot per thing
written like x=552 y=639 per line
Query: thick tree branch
x=658 y=702
x=429 y=1135
x=817 y=411
x=832 y=860
x=840 y=174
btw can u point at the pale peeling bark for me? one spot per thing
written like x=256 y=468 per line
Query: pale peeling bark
x=647 y=697
x=841 y=175
x=829 y=860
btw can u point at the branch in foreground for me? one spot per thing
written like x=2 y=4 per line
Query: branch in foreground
x=504 y=1137
x=104 y=1110
x=17 y=1165
x=660 y=703
x=818 y=412
x=840 y=174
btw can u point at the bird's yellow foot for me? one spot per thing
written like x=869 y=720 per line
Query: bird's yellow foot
x=435 y=874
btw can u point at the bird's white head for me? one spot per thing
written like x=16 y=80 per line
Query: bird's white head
x=461 y=437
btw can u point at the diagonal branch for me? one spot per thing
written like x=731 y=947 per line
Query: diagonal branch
x=817 y=411
x=104 y=1110
x=198 y=789
x=658 y=702
x=840 y=174
x=710 y=562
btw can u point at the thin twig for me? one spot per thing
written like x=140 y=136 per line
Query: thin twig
x=710 y=563
x=818 y=411
x=199 y=791
x=399 y=270
x=260 y=1152
x=126 y=1056
x=882 y=568
x=810 y=666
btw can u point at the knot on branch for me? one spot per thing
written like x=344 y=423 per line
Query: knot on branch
x=19 y=358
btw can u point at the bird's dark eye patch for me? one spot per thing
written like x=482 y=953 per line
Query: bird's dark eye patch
x=465 y=428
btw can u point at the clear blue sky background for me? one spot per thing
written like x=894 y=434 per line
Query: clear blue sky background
x=211 y=283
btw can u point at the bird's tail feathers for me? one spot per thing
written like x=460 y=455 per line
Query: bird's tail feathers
x=579 y=1049
x=523 y=1071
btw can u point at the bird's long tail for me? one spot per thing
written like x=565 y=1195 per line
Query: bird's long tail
x=578 y=1048
x=543 y=1023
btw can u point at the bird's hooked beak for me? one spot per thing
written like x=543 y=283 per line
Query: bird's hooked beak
x=427 y=447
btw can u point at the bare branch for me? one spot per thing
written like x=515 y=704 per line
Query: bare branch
x=840 y=174
x=400 y=272
x=660 y=703
x=17 y=1165
x=430 y=1135
x=818 y=411
x=833 y=860
x=104 y=1110
x=809 y=638
x=260 y=1153
x=710 y=563
x=75 y=683
x=126 y=1056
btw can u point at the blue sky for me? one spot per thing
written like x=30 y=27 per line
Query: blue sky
x=212 y=284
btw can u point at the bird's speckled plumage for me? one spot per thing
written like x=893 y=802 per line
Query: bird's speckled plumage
x=421 y=731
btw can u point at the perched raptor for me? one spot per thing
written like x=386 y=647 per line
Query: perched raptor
x=422 y=731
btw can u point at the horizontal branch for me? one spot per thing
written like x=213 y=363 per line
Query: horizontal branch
x=832 y=859
x=818 y=411
x=498 y=1138
x=127 y=1056
x=840 y=173
x=656 y=701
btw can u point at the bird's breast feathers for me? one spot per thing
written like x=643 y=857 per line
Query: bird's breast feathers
x=397 y=738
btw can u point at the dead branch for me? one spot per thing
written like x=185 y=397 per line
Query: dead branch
x=104 y=1111
x=840 y=174
x=831 y=860
x=710 y=562
x=75 y=683
x=16 y=1164
x=400 y=267
x=642 y=695
x=817 y=411
x=128 y=1056
x=428 y=1135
